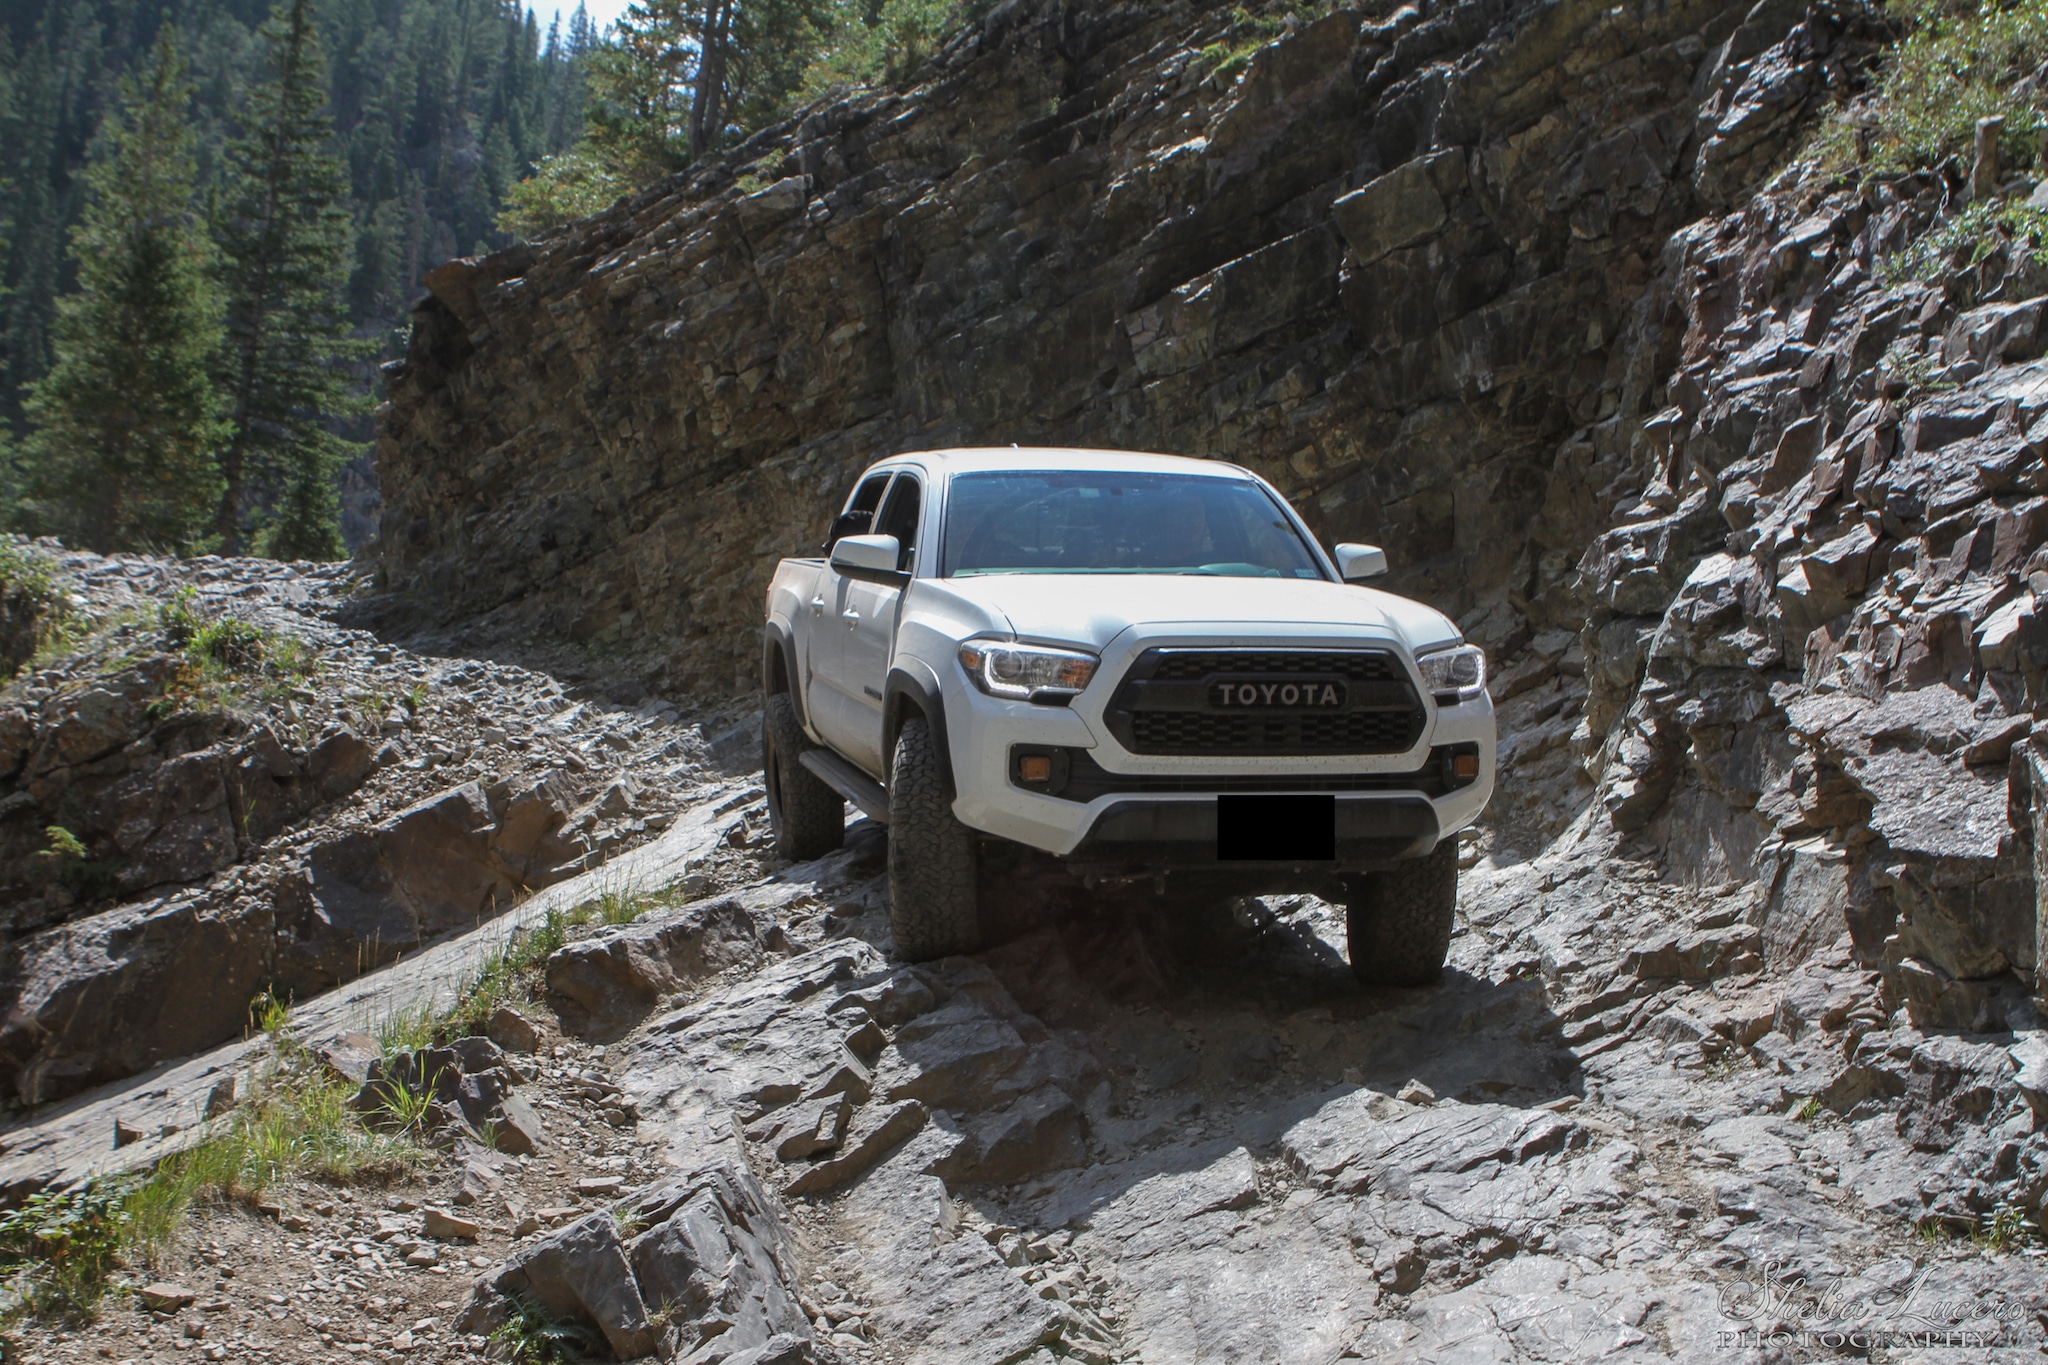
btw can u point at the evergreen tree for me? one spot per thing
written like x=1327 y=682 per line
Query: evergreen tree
x=284 y=237
x=438 y=106
x=686 y=74
x=127 y=421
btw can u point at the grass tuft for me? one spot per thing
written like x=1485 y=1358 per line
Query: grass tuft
x=58 y=1251
x=2010 y=1229
x=405 y=1030
x=530 y=1336
x=510 y=973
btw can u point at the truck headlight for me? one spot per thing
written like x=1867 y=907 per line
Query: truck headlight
x=1454 y=675
x=1026 y=672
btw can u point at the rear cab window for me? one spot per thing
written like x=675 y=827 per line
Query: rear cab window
x=900 y=517
x=859 y=517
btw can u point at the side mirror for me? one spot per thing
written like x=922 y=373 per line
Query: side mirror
x=848 y=524
x=1356 y=563
x=869 y=557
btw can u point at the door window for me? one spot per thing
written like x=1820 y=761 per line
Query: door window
x=859 y=516
x=899 y=519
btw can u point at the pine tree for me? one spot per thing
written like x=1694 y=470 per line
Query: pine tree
x=284 y=237
x=126 y=422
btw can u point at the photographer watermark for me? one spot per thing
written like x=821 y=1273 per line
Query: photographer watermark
x=1777 y=1307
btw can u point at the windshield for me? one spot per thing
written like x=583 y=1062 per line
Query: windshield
x=1061 y=521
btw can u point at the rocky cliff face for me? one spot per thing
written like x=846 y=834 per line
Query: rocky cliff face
x=1814 y=643
x=1386 y=260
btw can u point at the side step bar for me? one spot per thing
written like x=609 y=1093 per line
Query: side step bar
x=870 y=796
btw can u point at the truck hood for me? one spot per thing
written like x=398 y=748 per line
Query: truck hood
x=1093 y=609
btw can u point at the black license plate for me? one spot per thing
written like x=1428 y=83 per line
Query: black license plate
x=1297 y=694
x=1276 y=829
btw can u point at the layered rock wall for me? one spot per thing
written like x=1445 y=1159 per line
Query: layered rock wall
x=1386 y=261
x=179 y=837
x=1819 y=658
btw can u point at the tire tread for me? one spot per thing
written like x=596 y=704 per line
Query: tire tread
x=1399 y=924
x=809 y=817
x=932 y=907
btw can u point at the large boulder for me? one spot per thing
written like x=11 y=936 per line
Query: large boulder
x=605 y=983
x=715 y=1259
x=442 y=864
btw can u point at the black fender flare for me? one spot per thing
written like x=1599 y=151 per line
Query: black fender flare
x=904 y=690
x=778 y=655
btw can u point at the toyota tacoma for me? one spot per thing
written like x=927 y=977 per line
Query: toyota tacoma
x=1141 y=665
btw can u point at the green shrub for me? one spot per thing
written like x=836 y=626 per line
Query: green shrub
x=25 y=571
x=575 y=184
x=888 y=45
x=1968 y=238
x=57 y=1250
x=1955 y=64
x=63 y=845
x=227 y=644
x=65 y=855
x=530 y=1336
x=179 y=618
x=36 y=617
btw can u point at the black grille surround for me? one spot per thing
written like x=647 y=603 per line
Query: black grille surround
x=1085 y=779
x=1164 y=705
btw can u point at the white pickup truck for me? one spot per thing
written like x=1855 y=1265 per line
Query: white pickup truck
x=1142 y=665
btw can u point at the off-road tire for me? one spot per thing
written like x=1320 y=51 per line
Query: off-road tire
x=932 y=907
x=1399 y=922
x=808 y=817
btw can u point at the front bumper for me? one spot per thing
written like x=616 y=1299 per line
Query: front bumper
x=1162 y=814
x=1179 y=833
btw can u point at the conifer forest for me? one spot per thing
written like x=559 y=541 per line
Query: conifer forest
x=214 y=217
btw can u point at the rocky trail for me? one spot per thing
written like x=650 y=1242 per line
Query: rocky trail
x=1613 y=1130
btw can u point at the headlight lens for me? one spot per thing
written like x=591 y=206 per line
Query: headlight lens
x=1025 y=672
x=1460 y=671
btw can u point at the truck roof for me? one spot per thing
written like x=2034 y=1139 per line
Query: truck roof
x=976 y=458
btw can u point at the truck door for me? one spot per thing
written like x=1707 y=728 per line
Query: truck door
x=870 y=615
x=821 y=634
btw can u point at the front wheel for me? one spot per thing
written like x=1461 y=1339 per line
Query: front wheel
x=1399 y=922
x=808 y=817
x=932 y=907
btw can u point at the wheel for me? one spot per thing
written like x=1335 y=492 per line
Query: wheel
x=808 y=817
x=932 y=908
x=1399 y=922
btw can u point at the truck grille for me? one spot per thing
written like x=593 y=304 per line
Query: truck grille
x=1189 y=665
x=1165 y=704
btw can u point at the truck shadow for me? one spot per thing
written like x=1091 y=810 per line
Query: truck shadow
x=1151 y=1117
x=1239 y=1037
